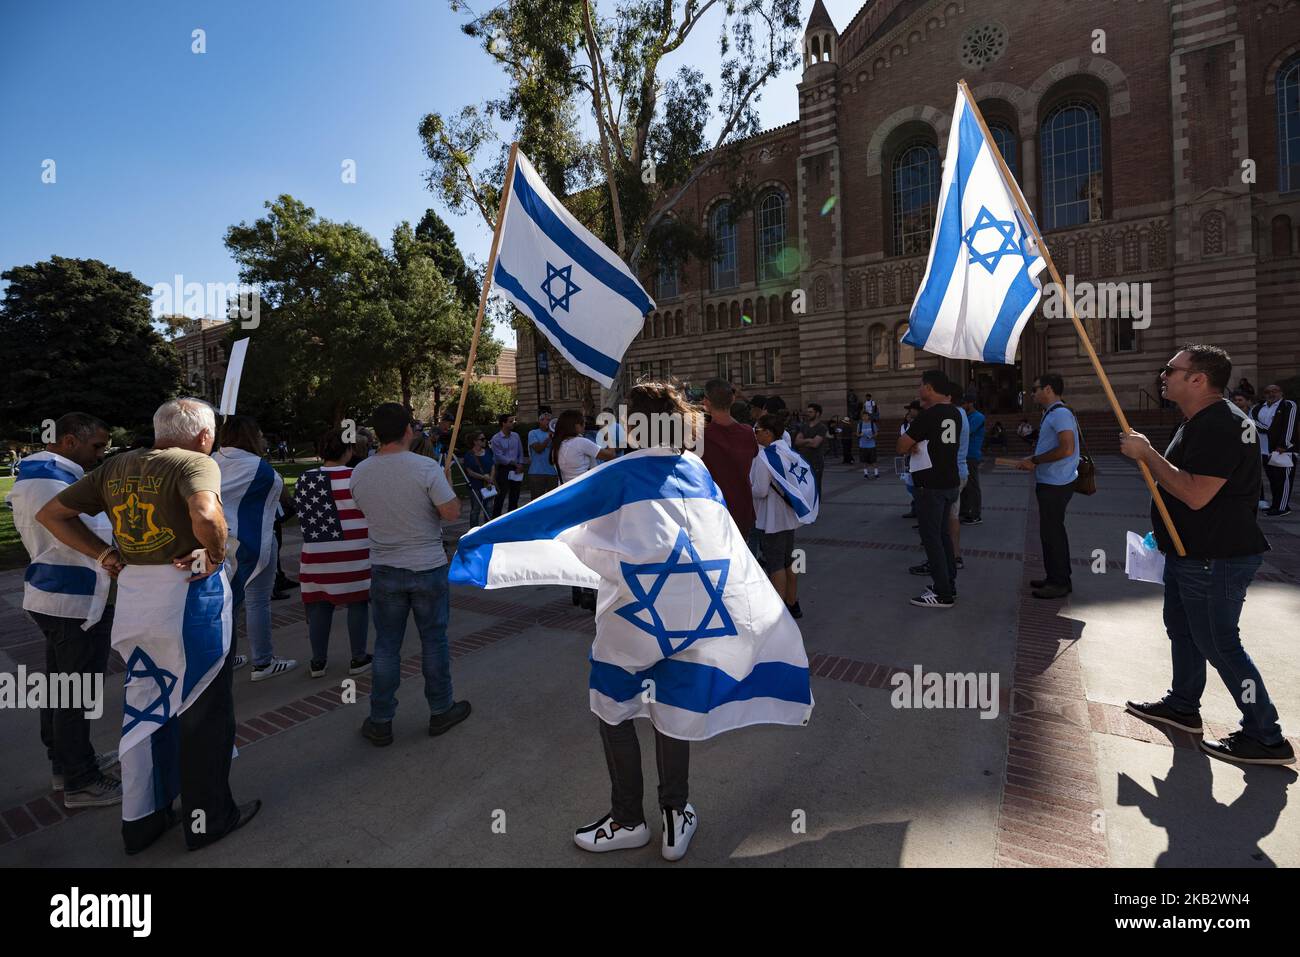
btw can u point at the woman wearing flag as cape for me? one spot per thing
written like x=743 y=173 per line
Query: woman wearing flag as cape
x=689 y=632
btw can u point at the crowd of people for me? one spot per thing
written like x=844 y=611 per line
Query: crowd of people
x=177 y=522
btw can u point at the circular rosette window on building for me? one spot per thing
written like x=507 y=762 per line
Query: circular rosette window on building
x=982 y=45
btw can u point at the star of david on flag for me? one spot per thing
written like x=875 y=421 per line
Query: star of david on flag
x=653 y=605
x=689 y=631
x=792 y=477
x=582 y=297
x=140 y=667
x=981 y=282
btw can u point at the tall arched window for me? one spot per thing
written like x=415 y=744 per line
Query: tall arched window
x=723 y=232
x=1288 y=125
x=1072 y=167
x=1004 y=138
x=906 y=352
x=771 y=237
x=666 y=281
x=915 y=191
x=878 y=340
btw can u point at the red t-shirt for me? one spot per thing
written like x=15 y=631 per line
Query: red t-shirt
x=728 y=452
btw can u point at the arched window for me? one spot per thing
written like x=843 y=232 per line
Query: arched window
x=760 y=312
x=1281 y=235
x=723 y=233
x=774 y=309
x=906 y=352
x=915 y=191
x=1072 y=166
x=710 y=318
x=666 y=281
x=1004 y=137
x=658 y=327
x=1288 y=125
x=771 y=237
x=878 y=339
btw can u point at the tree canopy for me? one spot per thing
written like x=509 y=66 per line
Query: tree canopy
x=77 y=335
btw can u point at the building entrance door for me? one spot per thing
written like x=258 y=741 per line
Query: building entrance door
x=1000 y=387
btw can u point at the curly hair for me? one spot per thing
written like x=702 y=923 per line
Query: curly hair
x=659 y=398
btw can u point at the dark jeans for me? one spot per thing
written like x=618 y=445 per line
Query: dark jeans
x=1279 y=485
x=66 y=731
x=395 y=595
x=1052 y=502
x=817 y=476
x=505 y=487
x=205 y=738
x=627 y=789
x=932 y=505
x=320 y=616
x=972 y=500
x=1203 y=602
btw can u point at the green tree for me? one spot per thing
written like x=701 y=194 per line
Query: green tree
x=483 y=403
x=76 y=334
x=440 y=246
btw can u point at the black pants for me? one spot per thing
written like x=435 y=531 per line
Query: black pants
x=1052 y=502
x=932 y=506
x=972 y=499
x=65 y=732
x=1279 y=485
x=505 y=487
x=206 y=734
x=623 y=755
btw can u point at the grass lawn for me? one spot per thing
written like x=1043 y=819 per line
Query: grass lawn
x=12 y=553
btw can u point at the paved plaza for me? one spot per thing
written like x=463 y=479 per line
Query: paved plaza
x=1060 y=777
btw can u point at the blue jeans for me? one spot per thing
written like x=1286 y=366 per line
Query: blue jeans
x=932 y=506
x=395 y=594
x=320 y=617
x=1203 y=602
x=257 y=610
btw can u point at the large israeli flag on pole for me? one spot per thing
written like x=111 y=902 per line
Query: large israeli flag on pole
x=689 y=631
x=981 y=283
x=584 y=298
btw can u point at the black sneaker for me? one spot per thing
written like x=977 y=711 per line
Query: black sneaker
x=1240 y=749
x=1161 y=713
x=1050 y=591
x=928 y=599
x=285 y=583
x=318 y=668
x=1276 y=512
x=909 y=515
x=360 y=666
x=378 y=733
x=972 y=521
x=1037 y=582
x=921 y=569
x=795 y=610
x=442 y=723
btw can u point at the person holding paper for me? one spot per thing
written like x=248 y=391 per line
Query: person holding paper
x=478 y=470
x=1276 y=417
x=508 y=456
x=933 y=441
x=1210 y=475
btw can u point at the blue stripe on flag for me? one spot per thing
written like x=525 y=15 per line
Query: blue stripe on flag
x=586 y=354
x=701 y=688
x=947 y=245
x=61 y=579
x=613 y=485
x=165 y=751
x=577 y=248
x=794 y=501
x=252 y=509
x=201 y=630
x=44 y=469
x=1018 y=297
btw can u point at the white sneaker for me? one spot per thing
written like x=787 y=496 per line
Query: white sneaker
x=276 y=666
x=607 y=835
x=679 y=828
x=240 y=661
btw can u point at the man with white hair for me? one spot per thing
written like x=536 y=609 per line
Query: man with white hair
x=173 y=627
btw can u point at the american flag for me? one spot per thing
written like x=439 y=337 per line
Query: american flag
x=335 y=552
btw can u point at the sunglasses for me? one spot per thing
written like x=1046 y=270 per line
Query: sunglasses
x=1170 y=370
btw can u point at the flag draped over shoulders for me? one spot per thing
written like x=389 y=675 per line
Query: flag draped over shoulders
x=793 y=477
x=689 y=631
x=250 y=492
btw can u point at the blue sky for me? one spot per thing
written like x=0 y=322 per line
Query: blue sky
x=159 y=150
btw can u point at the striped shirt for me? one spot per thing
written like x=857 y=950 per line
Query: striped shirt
x=335 y=550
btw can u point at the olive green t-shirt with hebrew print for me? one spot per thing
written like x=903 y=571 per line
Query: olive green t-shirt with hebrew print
x=145 y=495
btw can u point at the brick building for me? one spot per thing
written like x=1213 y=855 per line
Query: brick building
x=202 y=351
x=1132 y=160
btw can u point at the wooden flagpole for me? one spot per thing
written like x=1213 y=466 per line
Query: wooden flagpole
x=1069 y=309
x=482 y=302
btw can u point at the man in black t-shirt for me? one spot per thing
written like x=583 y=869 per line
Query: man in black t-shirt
x=935 y=435
x=1210 y=474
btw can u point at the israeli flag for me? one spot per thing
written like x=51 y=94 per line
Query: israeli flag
x=689 y=632
x=174 y=636
x=793 y=477
x=981 y=283
x=250 y=493
x=584 y=298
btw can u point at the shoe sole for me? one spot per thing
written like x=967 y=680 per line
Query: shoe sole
x=606 y=848
x=94 y=802
x=1169 y=721
x=360 y=671
x=677 y=851
x=1233 y=760
x=378 y=742
x=274 y=674
x=926 y=604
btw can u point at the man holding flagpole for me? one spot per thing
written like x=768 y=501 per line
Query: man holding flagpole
x=173 y=627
